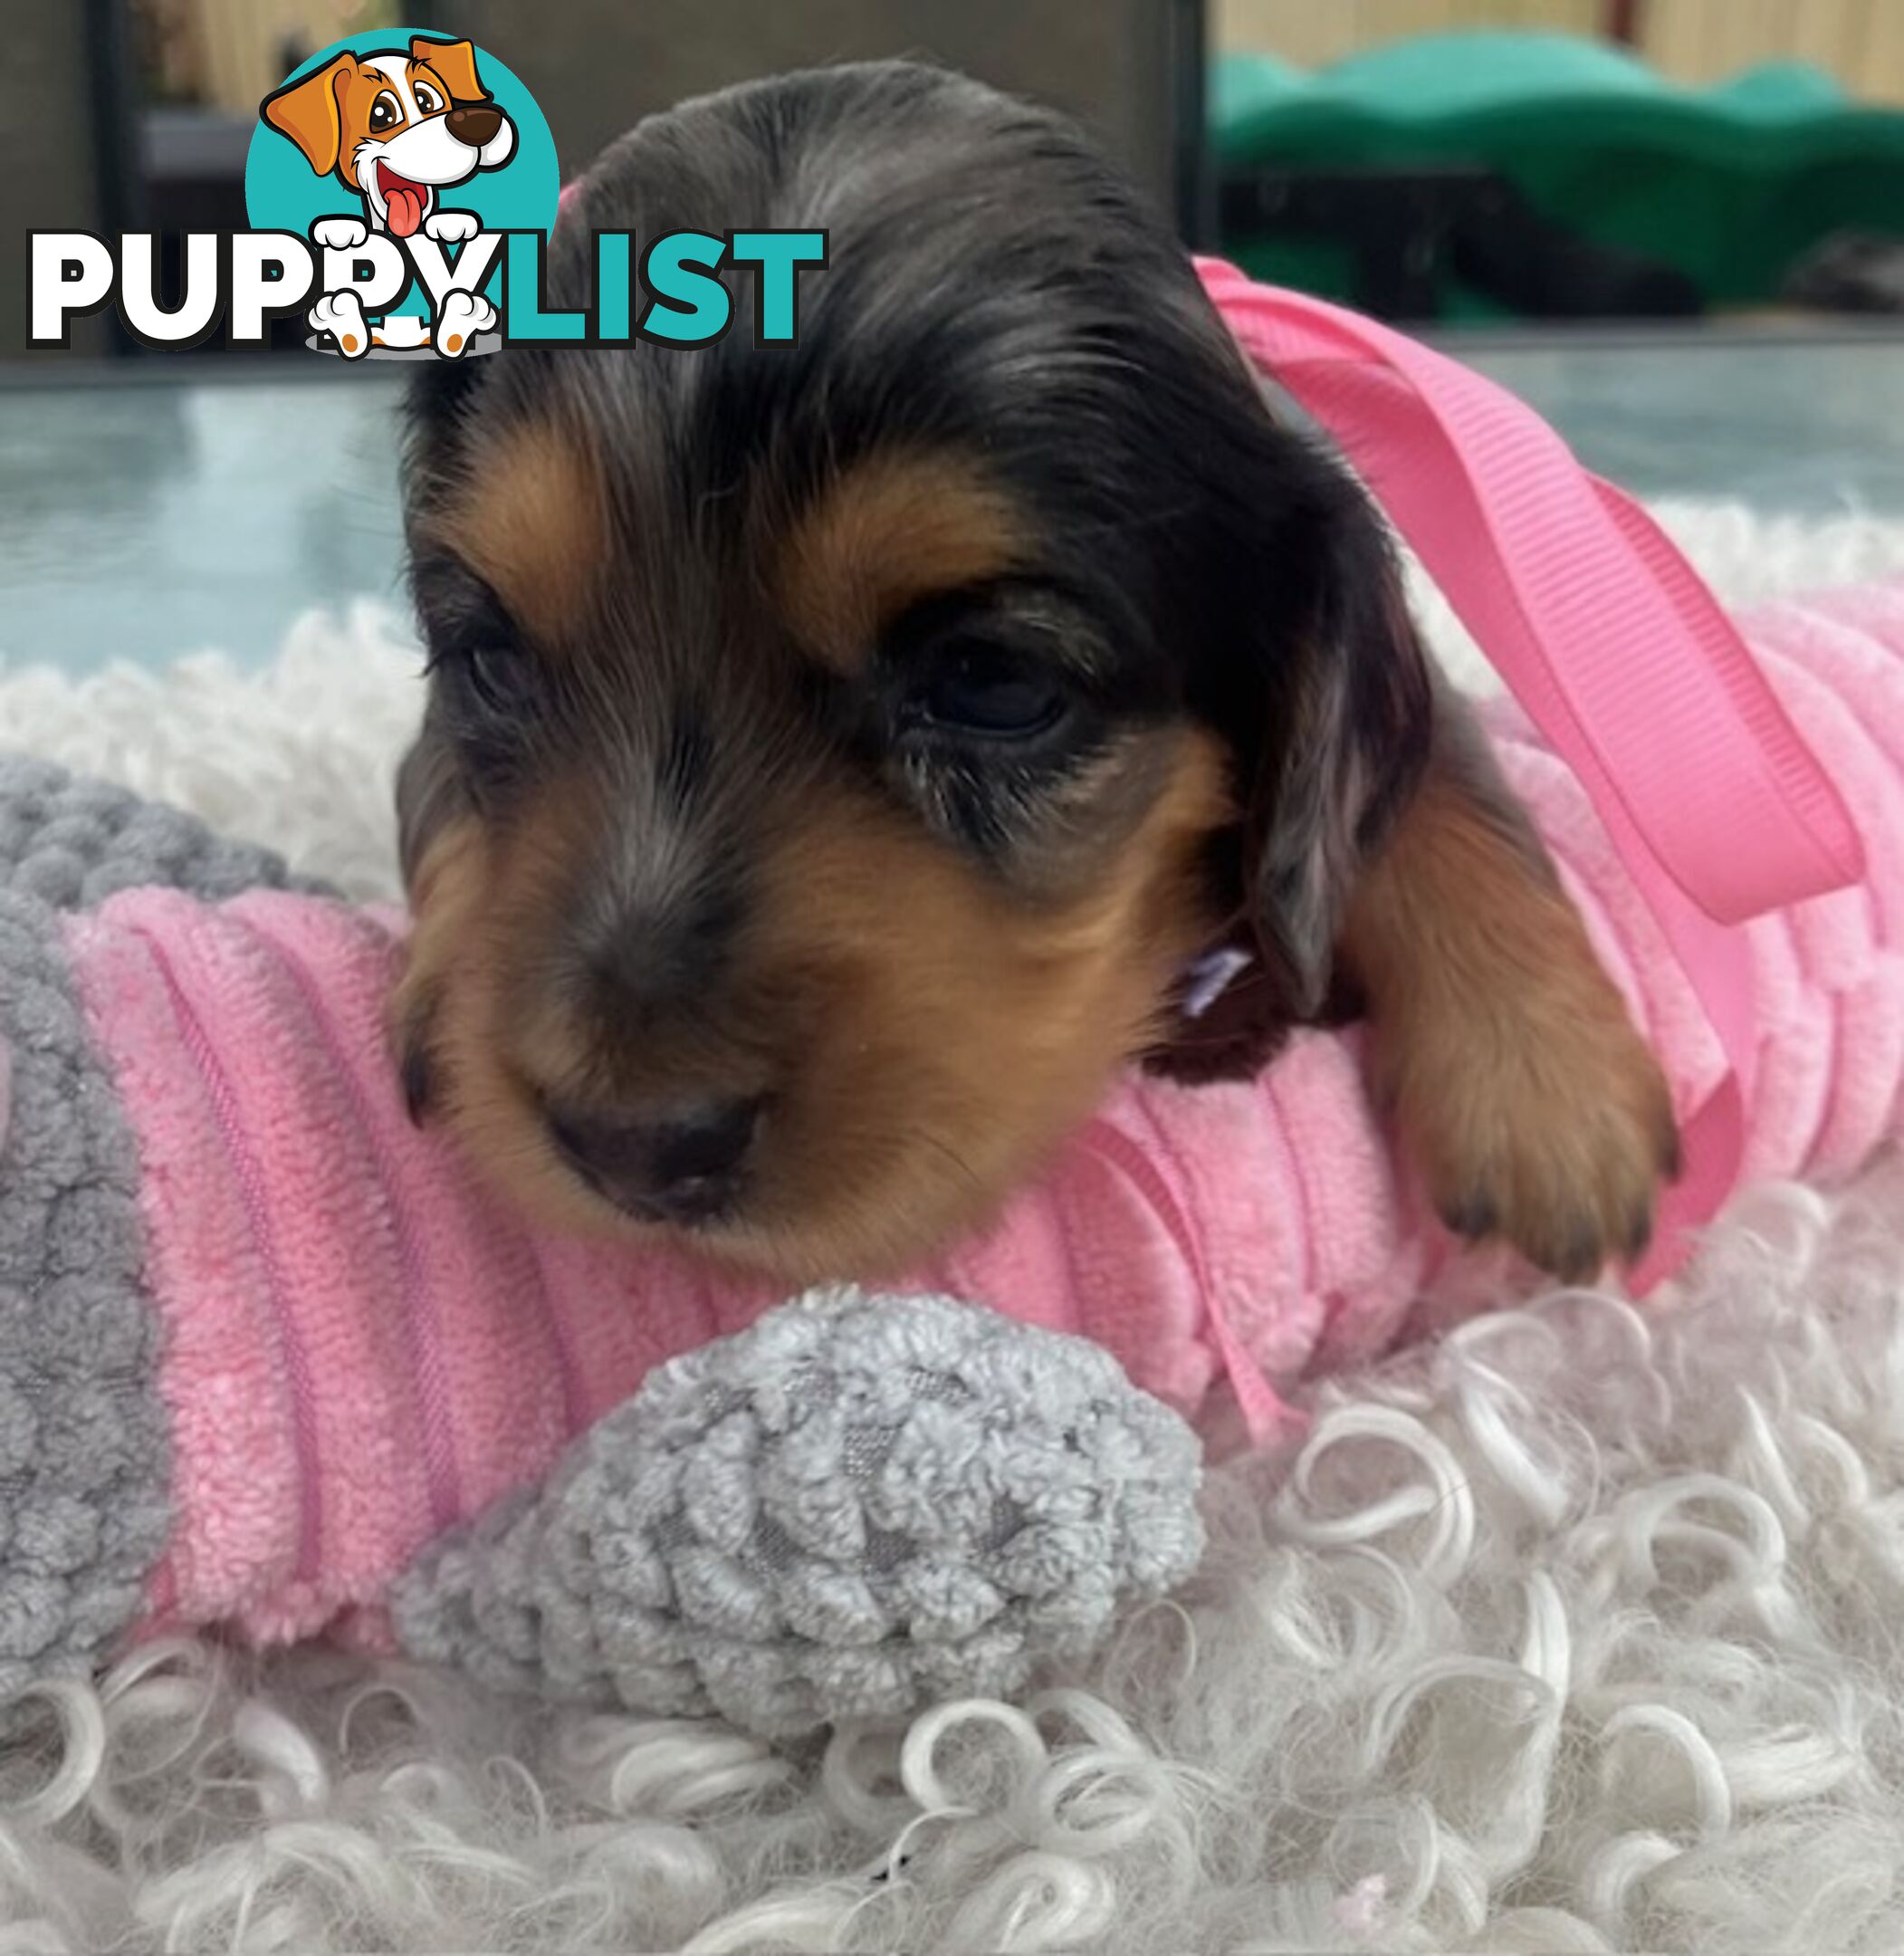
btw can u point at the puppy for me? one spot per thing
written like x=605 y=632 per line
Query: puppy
x=838 y=759
x=396 y=128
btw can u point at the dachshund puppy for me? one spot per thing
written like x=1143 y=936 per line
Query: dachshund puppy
x=836 y=757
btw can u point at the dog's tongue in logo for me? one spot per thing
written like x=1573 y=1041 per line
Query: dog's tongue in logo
x=404 y=201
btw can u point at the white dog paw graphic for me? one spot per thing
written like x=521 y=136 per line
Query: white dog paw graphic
x=341 y=315
x=338 y=233
x=459 y=318
x=452 y=227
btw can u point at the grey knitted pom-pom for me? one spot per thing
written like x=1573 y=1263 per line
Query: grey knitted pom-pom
x=858 y=1504
x=73 y=841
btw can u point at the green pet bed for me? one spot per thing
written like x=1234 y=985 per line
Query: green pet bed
x=1729 y=184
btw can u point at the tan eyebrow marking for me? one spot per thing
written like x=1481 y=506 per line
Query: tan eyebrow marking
x=532 y=518
x=893 y=529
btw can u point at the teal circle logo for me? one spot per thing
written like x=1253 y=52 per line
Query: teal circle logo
x=406 y=138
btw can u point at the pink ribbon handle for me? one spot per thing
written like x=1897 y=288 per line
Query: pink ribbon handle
x=1618 y=652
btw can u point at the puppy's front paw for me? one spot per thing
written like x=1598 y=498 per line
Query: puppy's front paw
x=339 y=234
x=451 y=227
x=459 y=318
x=1538 y=1116
x=341 y=315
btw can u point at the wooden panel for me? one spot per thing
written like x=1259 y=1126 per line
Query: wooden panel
x=1396 y=20
x=1880 y=71
x=1297 y=29
x=1829 y=32
x=1861 y=41
x=1308 y=34
x=1742 y=33
x=1671 y=34
x=1549 y=17
x=1565 y=16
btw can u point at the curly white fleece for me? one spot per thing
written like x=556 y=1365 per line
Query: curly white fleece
x=1575 y=1632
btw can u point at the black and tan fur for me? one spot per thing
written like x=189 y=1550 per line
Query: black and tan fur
x=868 y=734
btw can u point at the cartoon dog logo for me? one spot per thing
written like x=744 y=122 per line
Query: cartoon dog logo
x=396 y=128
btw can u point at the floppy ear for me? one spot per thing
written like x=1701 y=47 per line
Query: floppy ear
x=455 y=61
x=1304 y=660
x=306 y=110
x=1346 y=713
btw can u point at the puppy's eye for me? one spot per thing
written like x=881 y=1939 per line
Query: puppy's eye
x=428 y=102
x=500 y=677
x=488 y=679
x=385 y=114
x=980 y=690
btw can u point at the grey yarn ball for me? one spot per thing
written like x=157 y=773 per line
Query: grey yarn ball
x=73 y=841
x=858 y=1504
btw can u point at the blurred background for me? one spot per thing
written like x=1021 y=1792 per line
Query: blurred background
x=1677 y=227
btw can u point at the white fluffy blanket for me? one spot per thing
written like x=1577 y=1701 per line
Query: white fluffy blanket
x=1580 y=1630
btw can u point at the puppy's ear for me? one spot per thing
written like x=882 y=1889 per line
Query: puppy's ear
x=307 y=111
x=455 y=61
x=1345 y=714
x=431 y=834
x=1304 y=660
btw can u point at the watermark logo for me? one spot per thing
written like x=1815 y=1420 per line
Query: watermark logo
x=404 y=159
x=401 y=188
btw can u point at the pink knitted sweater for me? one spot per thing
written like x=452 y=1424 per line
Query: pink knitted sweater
x=363 y=1347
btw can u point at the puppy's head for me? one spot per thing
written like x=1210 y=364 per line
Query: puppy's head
x=395 y=127
x=836 y=756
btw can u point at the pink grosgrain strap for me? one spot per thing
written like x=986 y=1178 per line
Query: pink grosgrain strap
x=1618 y=652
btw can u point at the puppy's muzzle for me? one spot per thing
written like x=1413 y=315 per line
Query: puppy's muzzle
x=687 y=1168
x=473 y=124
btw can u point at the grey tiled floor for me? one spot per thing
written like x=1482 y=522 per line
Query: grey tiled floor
x=145 y=518
x=1809 y=427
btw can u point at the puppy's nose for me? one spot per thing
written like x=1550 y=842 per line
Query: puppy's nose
x=473 y=123
x=687 y=1168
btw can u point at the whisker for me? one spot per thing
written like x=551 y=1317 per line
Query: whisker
x=951 y=1155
